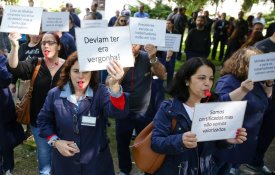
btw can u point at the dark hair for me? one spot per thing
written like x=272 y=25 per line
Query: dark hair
x=178 y=87
x=65 y=73
x=56 y=37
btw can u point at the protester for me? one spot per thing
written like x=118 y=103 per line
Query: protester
x=11 y=132
x=184 y=155
x=198 y=41
x=191 y=23
x=126 y=12
x=121 y=21
x=137 y=81
x=28 y=50
x=113 y=19
x=255 y=37
x=220 y=36
x=208 y=21
x=141 y=13
x=94 y=11
x=267 y=131
x=46 y=79
x=73 y=119
x=180 y=21
x=70 y=9
x=234 y=85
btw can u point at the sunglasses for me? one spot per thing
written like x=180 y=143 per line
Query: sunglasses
x=122 y=20
x=48 y=42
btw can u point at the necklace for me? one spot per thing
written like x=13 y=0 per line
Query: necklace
x=53 y=65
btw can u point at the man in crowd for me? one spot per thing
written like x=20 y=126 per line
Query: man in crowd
x=198 y=42
x=220 y=36
x=141 y=13
x=137 y=82
x=180 y=21
x=94 y=11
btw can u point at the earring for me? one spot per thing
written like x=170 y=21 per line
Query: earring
x=187 y=84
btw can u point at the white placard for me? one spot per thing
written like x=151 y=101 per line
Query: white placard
x=172 y=42
x=262 y=67
x=147 y=31
x=55 y=21
x=97 y=46
x=24 y=20
x=94 y=23
x=218 y=121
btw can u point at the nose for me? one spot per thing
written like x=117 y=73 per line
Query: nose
x=80 y=74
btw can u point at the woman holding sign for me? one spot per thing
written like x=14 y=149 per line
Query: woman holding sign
x=46 y=79
x=73 y=119
x=233 y=85
x=184 y=155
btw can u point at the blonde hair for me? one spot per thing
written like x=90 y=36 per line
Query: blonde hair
x=238 y=63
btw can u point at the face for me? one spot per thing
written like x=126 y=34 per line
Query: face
x=205 y=13
x=94 y=7
x=50 y=45
x=135 y=49
x=223 y=16
x=200 y=82
x=35 y=38
x=78 y=78
x=1 y=9
x=240 y=15
x=169 y=25
x=141 y=8
x=258 y=27
x=122 y=21
x=199 y=22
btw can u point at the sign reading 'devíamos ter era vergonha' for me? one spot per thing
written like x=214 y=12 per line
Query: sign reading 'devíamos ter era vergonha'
x=98 y=46
x=218 y=121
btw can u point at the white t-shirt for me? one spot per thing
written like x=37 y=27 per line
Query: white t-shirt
x=189 y=110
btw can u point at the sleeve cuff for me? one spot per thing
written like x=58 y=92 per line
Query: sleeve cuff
x=119 y=102
x=118 y=94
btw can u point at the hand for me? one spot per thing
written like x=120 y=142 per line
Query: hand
x=116 y=72
x=12 y=88
x=14 y=37
x=65 y=148
x=151 y=50
x=269 y=83
x=240 y=137
x=189 y=140
x=247 y=85
x=169 y=54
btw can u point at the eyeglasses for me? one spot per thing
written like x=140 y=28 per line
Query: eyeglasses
x=75 y=124
x=122 y=20
x=48 y=42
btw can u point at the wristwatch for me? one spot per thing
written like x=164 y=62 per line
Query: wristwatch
x=154 y=61
x=52 y=141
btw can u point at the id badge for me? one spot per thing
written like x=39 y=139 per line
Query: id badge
x=88 y=121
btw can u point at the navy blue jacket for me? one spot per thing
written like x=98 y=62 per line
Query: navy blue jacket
x=257 y=102
x=179 y=159
x=56 y=117
x=11 y=133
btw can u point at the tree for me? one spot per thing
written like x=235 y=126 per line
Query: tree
x=10 y=2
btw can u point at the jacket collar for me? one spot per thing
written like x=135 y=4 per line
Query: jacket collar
x=177 y=110
x=67 y=93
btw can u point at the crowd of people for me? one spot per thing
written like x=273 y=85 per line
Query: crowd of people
x=70 y=108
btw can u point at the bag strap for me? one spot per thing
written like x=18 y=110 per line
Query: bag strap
x=174 y=123
x=34 y=75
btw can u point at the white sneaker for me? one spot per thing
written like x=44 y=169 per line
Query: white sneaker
x=8 y=173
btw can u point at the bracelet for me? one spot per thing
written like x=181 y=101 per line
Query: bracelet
x=267 y=85
x=154 y=61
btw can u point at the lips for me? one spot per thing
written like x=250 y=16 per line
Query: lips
x=80 y=84
x=207 y=93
